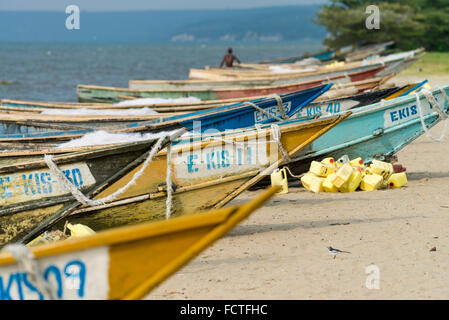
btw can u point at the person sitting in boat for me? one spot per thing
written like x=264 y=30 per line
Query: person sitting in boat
x=229 y=59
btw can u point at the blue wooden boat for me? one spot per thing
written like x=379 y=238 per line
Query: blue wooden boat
x=336 y=105
x=378 y=131
x=239 y=115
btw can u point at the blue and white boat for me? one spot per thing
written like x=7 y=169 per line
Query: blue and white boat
x=239 y=115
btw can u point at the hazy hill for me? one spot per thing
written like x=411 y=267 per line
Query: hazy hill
x=263 y=24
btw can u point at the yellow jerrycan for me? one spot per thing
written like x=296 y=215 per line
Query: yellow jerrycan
x=329 y=161
x=320 y=169
x=397 y=180
x=357 y=162
x=371 y=182
x=382 y=168
x=312 y=183
x=342 y=175
x=328 y=186
x=353 y=182
x=279 y=178
x=79 y=230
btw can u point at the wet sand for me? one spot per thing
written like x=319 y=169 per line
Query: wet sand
x=280 y=252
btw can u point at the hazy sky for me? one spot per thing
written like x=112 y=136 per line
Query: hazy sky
x=121 y=5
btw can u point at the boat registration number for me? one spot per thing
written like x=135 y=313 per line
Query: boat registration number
x=407 y=112
x=71 y=276
x=37 y=184
x=274 y=110
x=221 y=160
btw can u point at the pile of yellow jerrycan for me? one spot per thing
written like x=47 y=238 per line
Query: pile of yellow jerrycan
x=346 y=175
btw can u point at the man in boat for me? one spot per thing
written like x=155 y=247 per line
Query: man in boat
x=229 y=59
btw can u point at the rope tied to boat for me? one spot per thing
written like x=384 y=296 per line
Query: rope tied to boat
x=80 y=197
x=276 y=133
x=27 y=262
x=299 y=176
x=280 y=105
x=168 y=181
x=434 y=103
x=255 y=106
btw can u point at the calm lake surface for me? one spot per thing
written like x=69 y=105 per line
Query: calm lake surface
x=51 y=72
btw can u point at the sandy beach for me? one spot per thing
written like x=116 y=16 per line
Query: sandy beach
x=280 y=252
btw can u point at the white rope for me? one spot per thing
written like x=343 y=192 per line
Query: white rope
x=293 y=175
x=445 y=95
x=280 y=105
x=263 y=111
x=25 y=259
x=169 y=184
x=338 y=84
x=62 y=179
x=276 y=132
x=429 y=97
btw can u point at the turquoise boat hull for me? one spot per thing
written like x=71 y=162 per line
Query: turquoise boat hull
x=376 y=131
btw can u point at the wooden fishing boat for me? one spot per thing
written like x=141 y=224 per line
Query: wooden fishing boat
x=131 y=103
x=173 y=85
x=121 y=263
x=35 y=197
x=392 y=63
x=215 y=73
x=380 y=130
x=367 y=51
x=396 y=63
x=335 y=105
x=35 y=106
x=111 y=94
x=15 y=122
x=220 y=118
x=341 y=53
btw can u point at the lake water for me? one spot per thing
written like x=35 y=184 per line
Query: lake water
x=51 y=72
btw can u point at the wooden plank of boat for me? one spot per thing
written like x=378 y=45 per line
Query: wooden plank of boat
x=214 y=167
x=77 y=121
x=161 y=108
x=121 y=263
x=110 y=94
